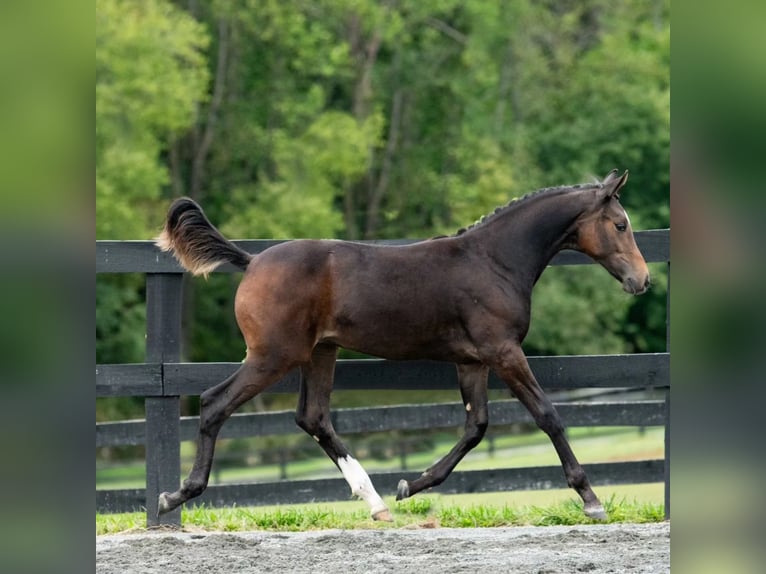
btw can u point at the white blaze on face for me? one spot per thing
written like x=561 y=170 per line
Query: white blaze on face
x=360 y=483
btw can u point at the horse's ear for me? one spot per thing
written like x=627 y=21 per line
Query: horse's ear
x=613 y=183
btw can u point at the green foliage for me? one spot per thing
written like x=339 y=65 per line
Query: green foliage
x=577 y=310
x=414 y=506
x=329 y=155
x=290 y=518
x=214 y=332
x=150 y=75
x=408 y=514
x=478 y=516
x=645 y=325
x=120 y=320
x=603 y=100
x=359 y=118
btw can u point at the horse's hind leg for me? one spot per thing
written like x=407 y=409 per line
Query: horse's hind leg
x=473 y=388
x=513 y=368
x=216 y=405
x=313 y=416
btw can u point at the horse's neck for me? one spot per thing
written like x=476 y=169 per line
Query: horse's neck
x=524 y=240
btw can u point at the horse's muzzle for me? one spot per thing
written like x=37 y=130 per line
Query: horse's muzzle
x=636 y=286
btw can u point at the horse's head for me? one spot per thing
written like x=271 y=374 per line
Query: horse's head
x=604 y=233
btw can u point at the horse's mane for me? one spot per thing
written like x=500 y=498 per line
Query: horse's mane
x=546 y=191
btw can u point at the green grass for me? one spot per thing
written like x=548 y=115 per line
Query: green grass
x=639 y=503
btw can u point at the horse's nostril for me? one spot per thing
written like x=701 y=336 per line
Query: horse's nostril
x=647 y=282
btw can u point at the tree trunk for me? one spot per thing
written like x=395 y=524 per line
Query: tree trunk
x=203 y=147
x=379 y=190
x=365 y=53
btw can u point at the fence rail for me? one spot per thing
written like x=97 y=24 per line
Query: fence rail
x=404 y=417
x=162 y=379
x=561 y=372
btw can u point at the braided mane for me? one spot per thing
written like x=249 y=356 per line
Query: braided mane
x=524 y=199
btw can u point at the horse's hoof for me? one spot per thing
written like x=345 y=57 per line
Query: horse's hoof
x=403 y=490
x=383 y=516
x=596 y=512
x=163 y=504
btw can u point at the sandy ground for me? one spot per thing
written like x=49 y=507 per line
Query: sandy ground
x=618 y=548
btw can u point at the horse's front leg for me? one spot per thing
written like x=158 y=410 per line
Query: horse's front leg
x=313 y=416
x=472 y=379
x=511 y=365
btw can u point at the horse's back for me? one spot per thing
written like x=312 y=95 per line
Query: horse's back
x=384 y=300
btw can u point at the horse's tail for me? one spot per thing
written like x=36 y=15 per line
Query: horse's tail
x=197 y=245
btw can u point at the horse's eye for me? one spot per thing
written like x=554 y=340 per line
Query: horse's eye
x=621 y=226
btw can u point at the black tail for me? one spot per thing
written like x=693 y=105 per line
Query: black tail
x=195 y=242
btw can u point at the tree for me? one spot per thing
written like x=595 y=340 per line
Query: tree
x=150 y=76
x=597 y=97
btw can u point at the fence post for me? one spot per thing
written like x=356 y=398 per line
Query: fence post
x=163 y=414
x=667 y=406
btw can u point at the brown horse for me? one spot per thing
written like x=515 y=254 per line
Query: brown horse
x=463 y=299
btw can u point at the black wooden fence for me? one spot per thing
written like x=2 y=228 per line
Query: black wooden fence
x=162 y=380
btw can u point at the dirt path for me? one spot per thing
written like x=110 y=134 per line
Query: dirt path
x=614 y=548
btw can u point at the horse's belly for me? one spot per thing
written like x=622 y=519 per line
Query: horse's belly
x=405 y=344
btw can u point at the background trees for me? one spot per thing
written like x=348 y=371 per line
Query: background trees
x=373 y=119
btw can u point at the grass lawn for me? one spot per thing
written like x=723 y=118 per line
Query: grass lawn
x=626 y=503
